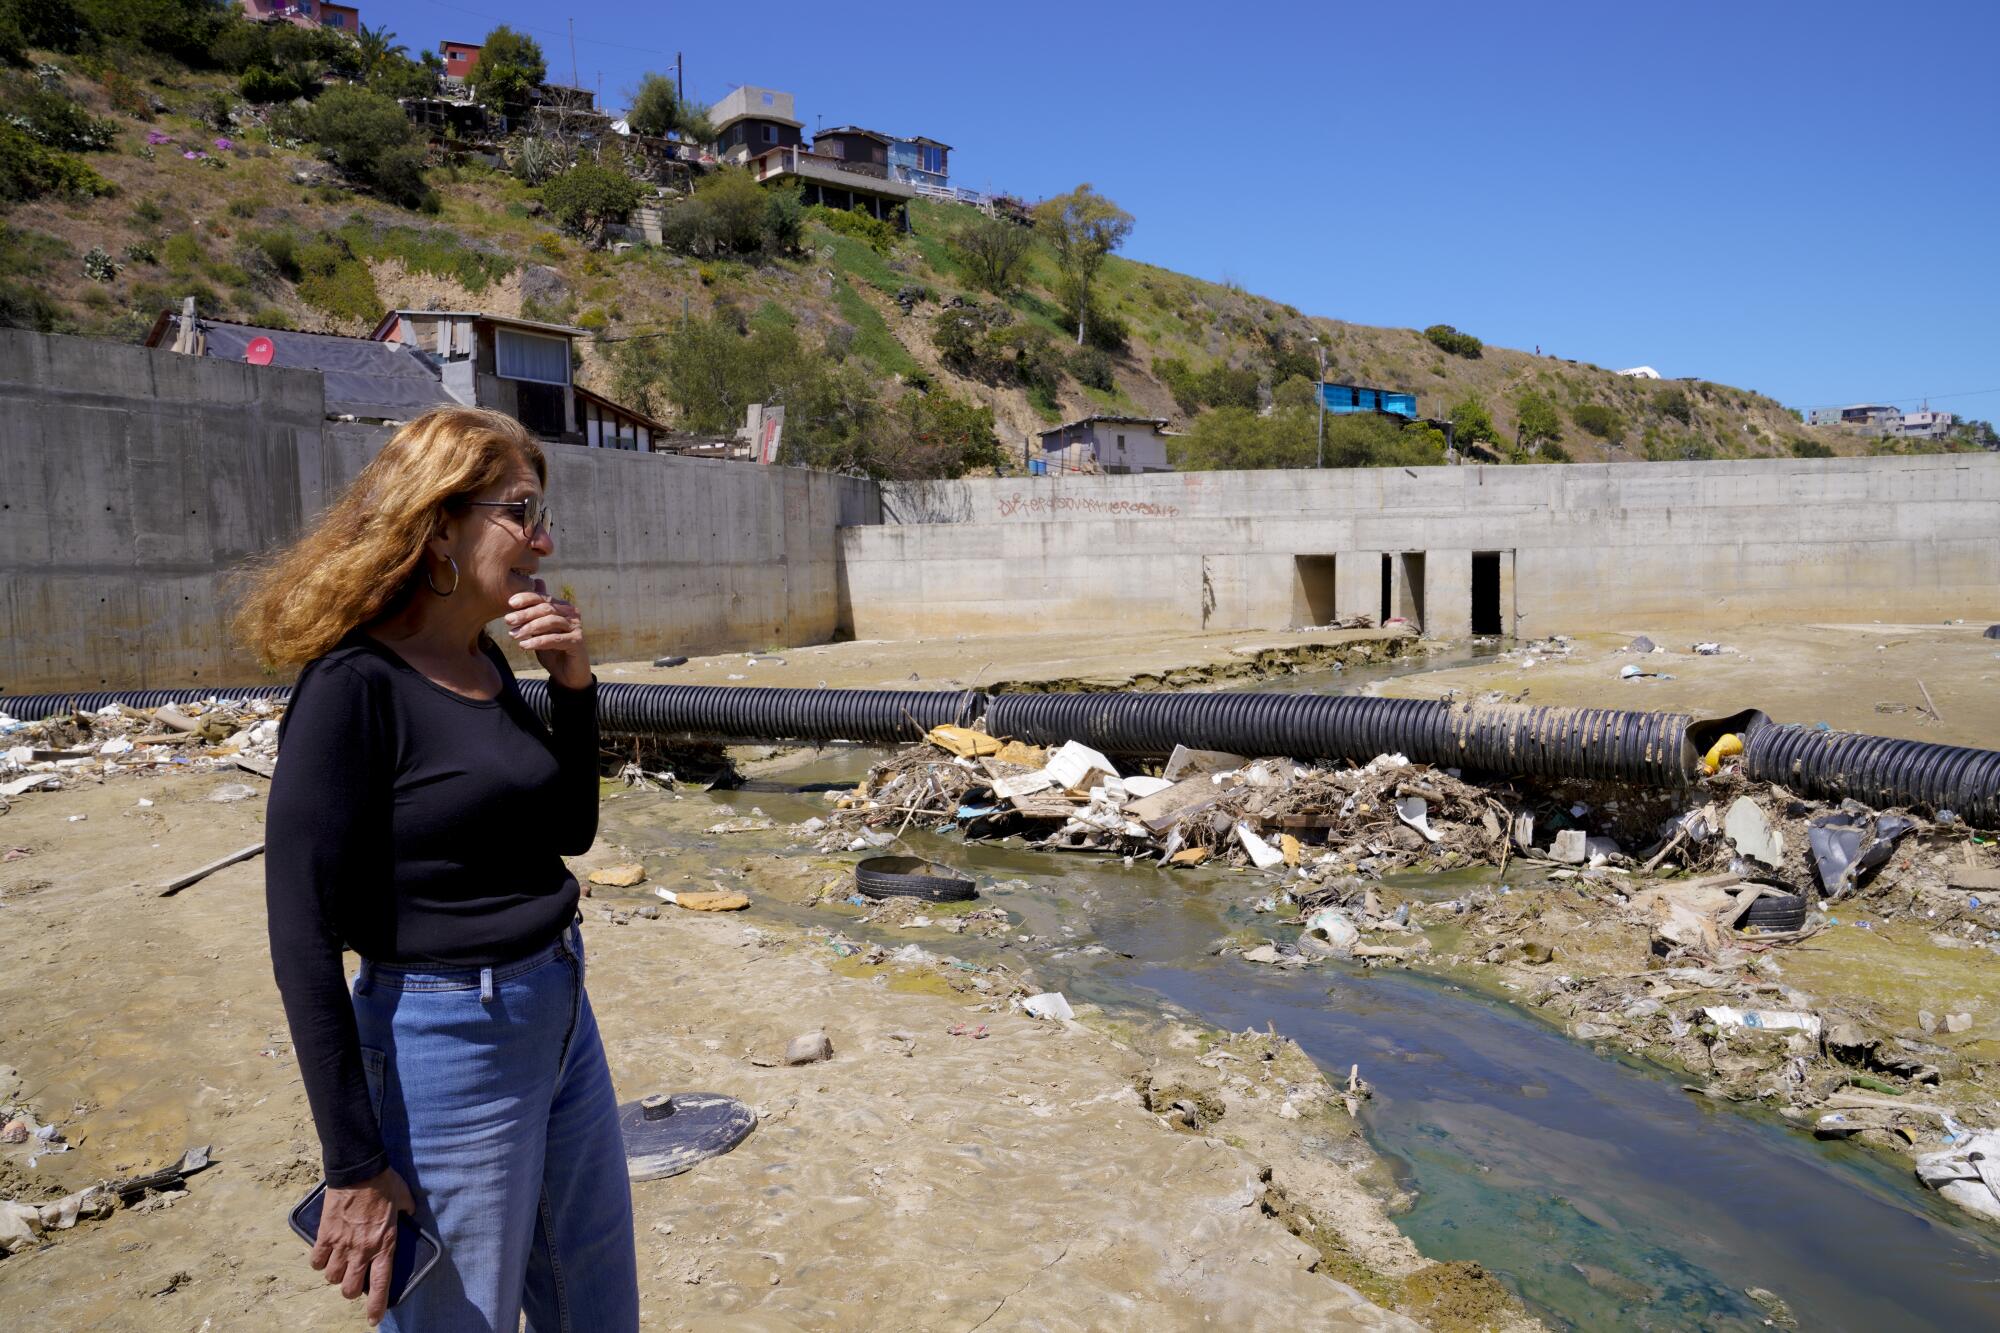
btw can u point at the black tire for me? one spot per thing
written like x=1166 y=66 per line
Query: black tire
x=911 y=877
x=1787 y=911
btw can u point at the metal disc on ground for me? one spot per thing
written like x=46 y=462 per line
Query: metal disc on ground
x=666 y=1135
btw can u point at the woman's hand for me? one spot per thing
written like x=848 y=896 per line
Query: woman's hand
x=357 y=1238
x=553 y=632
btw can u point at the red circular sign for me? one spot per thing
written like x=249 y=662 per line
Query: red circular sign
x=260 y=351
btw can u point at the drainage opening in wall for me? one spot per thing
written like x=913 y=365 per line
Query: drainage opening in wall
x=1410 y=587
x=1388 y=588
x=1486 y=616
x=1312 y=590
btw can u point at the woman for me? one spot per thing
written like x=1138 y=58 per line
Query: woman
x=418 y=817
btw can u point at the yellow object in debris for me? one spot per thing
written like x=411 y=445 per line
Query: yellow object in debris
x=619 y=877
x=1193 y=856
x=1027 y=756
x=1721 y=750
x=1290 y=847
x=963 y=741
x=712 y=902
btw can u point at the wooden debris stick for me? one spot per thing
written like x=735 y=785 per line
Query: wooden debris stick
x=263 y=768
x=173 y=887
x=1930 y=707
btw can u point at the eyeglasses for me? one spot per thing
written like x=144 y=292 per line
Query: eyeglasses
x=532 y=513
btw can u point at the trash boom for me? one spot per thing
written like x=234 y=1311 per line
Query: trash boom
x=1592 y=744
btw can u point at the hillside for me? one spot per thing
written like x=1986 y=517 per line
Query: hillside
x=206 y=195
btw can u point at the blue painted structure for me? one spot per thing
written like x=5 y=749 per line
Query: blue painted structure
x=1347 y=398
x=920 y=161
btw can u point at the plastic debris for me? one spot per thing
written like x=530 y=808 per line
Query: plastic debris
x=1050 y=1005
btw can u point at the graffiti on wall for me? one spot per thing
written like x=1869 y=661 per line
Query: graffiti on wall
x=1019 y=503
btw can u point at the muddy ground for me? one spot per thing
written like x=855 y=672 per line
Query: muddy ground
x=1040 y=1176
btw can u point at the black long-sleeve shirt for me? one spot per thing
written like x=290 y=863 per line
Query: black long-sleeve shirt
x=416 y=827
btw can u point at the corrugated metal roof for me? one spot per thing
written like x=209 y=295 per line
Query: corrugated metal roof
x=381 y=381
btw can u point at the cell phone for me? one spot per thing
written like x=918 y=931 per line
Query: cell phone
x=417 y=1250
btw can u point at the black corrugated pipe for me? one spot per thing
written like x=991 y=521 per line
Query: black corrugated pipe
x=1878 y=771
x=880 y=717
x=36 y=707
x=1653 y=749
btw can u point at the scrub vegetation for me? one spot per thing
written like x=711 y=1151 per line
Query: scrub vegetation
x=165 y=149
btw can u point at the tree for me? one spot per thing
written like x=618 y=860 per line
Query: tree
x=1448 y=339
x=367 y=136
x=992 y=251
x=587 y=198
x=509 y=69
x=930 y=435
x=1083 y=227
x=1471 y=423
x=378 y=47
x=658 y=109
x=1535 y=419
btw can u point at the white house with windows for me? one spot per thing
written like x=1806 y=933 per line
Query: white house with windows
x=518 y=366
x=1104 y=443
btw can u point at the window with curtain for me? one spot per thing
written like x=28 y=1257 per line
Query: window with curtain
x=531 y=356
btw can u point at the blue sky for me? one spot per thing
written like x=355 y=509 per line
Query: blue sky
x=1797 y=197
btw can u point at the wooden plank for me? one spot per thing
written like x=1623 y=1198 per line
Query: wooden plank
x=1965 y=877
x=172 y=887
x=1163 y=809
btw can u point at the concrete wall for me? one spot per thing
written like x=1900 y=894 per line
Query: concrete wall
x=1591 y=545
x=133 y=482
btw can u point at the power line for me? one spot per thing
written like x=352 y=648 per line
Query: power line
x=1908 y=398
x=553 y=32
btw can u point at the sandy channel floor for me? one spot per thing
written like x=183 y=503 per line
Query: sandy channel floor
x=1009 y=1182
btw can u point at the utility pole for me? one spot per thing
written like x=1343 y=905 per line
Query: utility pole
x=680 y=78
x=1319 y=403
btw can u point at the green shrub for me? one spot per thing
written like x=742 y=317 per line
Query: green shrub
x=141 y=253
x=1535 y=419
x=1229 y=386
x=50 y=25
x=51 y=118
x=784 y=219
x=29 y=170
x=182 y=253
x=1471 y=422
x=367 y=136
x=1804 y=448
x=333 y=280
x=534 y=159
x=1672 y=401
x=1181 y=381
x=726 y=215
x=247 y=208
x=25 y=306
x=587 y=198
x=1604 y=422
x=146 y=213
x=992 y=251
x=263 y=86
x=879 y=235
x=1446 y=338
x=1093 y=368
x=434 y=251
x=279 y=246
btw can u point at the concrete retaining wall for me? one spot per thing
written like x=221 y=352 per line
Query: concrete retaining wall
x=1577 y=547
x=132 y=482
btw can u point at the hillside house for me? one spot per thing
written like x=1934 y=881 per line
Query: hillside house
x=863 y=150
x=367 y=381
x=751 y=121
x=1344 y=399
x=1871 y=418
x=416 y=360
x=1112 y=444
x=304 y=14
x=924 y=163
x=1926 y=424
x=458 y=58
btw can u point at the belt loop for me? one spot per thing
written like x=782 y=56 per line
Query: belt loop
x=486 y=985
x=364 y=976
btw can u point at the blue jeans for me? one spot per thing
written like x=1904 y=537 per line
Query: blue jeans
x=496 y=1108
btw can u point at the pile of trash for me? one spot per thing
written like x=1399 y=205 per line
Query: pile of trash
x=92 y=746
x=1202 y=806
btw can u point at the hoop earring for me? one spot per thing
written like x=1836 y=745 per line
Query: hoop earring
x=444 y=592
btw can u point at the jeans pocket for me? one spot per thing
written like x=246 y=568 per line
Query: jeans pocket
x=374 y=1067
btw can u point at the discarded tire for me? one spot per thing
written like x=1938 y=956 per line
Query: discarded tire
x=911 y=877
x=665 y=1136
x=1786 y=911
